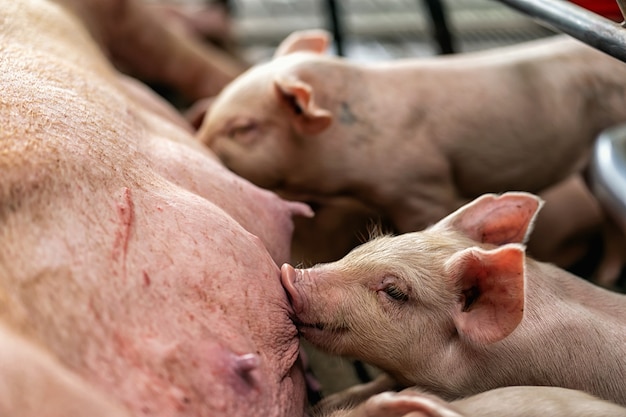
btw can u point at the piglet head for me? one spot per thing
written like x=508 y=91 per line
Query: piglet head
x=256 y=122
x=399 y=300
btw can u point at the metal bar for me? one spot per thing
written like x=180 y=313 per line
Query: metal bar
x=608 y=172
x=335 y=21
x=440 y=26
x=580 y=23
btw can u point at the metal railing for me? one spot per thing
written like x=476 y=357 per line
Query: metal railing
x=582 y=24
x=608 y=172
x=608 y=163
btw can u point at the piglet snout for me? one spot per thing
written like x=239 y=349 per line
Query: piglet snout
x=288 y=276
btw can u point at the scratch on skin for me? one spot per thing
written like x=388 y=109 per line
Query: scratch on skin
x=346 y=116
x=125 y=214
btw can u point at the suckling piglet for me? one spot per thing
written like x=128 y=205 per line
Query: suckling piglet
x=459 y=309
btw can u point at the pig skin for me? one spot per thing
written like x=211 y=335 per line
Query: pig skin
x=119 y=259
x=521 y=401
x=31 y=377
x=416 y=138
x=458 y=308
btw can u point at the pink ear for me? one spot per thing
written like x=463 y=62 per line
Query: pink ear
x=494 y=219
x=406 y=402
x=491 y=284
x=297 y=97
x=315 y=40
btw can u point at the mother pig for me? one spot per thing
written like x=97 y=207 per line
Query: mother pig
x=417 y=138
x=120 y=264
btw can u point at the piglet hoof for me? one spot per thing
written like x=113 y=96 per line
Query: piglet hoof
x=407 y=403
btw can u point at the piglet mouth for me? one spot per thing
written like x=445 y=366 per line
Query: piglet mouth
x=301 y=325
x=311 y=329
x=288 y=277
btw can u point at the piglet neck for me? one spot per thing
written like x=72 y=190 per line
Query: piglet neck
x=572 y=335
x=550 y=288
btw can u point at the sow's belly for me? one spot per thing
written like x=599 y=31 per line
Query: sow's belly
x=120 y=256
x=147 y=290
x=165 y=303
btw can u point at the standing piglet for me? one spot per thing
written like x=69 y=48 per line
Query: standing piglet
x=416 y=138
x=458 y=308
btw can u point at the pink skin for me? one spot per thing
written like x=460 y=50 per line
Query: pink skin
x=28 y=369
x=187 y=350
x=458 y=308
x=525 y=401
x=131 y=256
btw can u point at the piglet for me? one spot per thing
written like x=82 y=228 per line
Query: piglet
x=458 y=308
x=523 y=401
x=416 y=138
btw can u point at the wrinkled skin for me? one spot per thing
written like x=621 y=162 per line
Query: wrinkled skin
x=415 y=139
x=458 y=308
x=509 y=402
x=131 y=258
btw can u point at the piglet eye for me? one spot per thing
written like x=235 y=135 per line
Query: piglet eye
x=239 y=132
x=396 y=293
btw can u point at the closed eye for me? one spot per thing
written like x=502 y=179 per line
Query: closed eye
x=396 y=293
x=239 y=132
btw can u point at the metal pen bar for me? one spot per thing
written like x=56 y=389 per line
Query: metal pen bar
x=440 y=26
x=608 y=172
x=335 y=22
x=580 y=23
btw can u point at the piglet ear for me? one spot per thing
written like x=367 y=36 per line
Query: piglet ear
x=408 y=402
x=296 y=96
x=315 y=40
x=491 y=285
x=507 y=218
